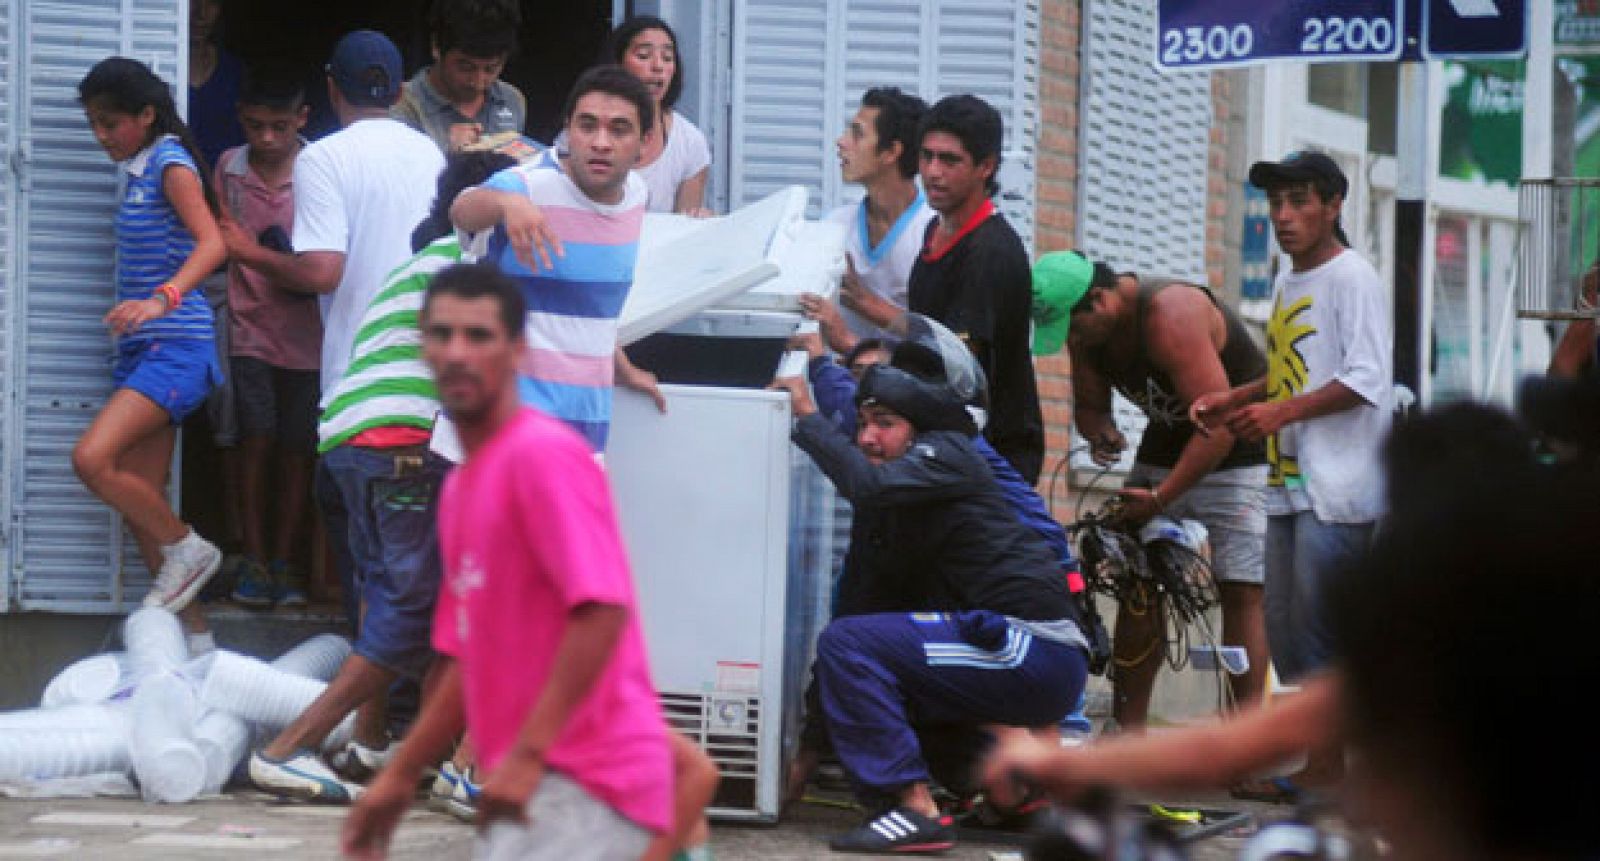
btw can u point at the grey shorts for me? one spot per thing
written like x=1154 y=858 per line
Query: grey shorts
x=565 y=823
x=1232 y=504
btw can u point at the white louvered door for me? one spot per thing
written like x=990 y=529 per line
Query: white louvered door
x=1143 y=139
x=70 y=554
x=8 y=126
x=800 y=67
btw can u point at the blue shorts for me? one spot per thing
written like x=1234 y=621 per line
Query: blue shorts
x=380 y=507
x=177 y=374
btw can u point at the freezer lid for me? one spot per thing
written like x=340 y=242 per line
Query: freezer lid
x=811 y=259
x=687 y=265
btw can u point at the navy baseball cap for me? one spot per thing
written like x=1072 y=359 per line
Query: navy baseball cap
x=1302 y=167
x=366 y=68
x=1298 y=167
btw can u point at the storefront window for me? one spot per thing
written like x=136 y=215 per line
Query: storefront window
x=1338 y=87
x=1453 y=332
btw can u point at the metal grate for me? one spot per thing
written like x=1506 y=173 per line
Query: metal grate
x=1560 y=244
x=728 y=728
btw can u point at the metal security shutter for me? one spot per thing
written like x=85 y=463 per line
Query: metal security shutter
x=799 y=69
x=1144 y=138
x=71 y=554
x=780 y=116
x=7 y=148
x=990 y=48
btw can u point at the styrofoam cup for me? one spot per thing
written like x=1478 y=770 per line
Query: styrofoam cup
x=155 y=642
x=223 y=739
x=166 y=760
x=317 y=658
x=257 y=691
x=94 y=679
x=44 y=754
x=100 y=717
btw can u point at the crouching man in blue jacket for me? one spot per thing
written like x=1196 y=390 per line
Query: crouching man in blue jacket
x=953 y=615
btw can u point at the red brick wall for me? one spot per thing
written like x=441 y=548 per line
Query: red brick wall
x=1056 y=220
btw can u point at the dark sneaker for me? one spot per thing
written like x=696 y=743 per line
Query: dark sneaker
x=899 y=830
x=984 y=813
x=252 y=585
x=289 y=585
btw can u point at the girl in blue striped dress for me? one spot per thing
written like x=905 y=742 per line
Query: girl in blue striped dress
x=166 y=364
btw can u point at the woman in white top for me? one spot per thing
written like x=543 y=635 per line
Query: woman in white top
x=676 y=159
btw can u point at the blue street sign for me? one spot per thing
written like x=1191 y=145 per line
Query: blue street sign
x=1206 y=34
x=1474 y=29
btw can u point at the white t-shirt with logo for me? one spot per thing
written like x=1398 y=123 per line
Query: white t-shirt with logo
x=361 y=191
x=886 y=268
x=1330 y=324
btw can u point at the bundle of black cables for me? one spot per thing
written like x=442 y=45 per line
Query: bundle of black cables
x=1163 y=576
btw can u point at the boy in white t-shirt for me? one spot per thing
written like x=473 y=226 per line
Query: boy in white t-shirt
x=359 y=192
x=1324 y=409
x=878 y=150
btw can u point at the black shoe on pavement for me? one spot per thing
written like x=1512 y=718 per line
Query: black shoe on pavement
x=899 y=830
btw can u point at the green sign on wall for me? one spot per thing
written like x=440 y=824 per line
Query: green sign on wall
x=1480 y=134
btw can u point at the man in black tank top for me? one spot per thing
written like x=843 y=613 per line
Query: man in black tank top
x=1161 y=344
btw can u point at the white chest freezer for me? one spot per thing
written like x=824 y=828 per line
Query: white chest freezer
x=728 y=525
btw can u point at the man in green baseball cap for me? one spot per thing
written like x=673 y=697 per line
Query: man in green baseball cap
x=1162 y=343
x=1060 y=280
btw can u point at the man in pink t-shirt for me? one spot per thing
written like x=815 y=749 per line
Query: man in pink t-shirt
x=536 y=620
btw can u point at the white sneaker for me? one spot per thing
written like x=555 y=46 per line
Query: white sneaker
x=302 y=776
x=357 y=762
x=189 y=564
x=454 y=792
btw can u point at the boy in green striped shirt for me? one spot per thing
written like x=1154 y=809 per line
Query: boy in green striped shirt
x=377 y=485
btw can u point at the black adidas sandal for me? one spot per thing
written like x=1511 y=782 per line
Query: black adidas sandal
x=899 y=830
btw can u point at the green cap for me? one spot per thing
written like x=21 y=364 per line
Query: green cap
x=1060 y=279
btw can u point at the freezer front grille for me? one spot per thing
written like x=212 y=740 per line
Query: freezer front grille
x=728 y=728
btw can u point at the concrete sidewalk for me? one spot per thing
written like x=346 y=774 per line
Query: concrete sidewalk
x=246 y=825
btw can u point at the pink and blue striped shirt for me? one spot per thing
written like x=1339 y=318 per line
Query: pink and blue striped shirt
x=573 y=306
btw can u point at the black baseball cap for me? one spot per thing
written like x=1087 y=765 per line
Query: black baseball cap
x=366 y=68
x=1298 y=167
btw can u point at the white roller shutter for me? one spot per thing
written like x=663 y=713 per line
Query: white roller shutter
x=1143 y=143
x=990 y=48
x=779 y=110
x=70 y=554
x=800 y=67
x=1143 y=139
x=7 y=147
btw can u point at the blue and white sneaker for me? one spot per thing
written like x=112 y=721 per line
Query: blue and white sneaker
x=252 y=585
x=302 y=776
x=454 y=792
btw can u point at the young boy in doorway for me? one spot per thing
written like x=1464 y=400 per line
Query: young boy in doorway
x=460 y=97
x=276 y=338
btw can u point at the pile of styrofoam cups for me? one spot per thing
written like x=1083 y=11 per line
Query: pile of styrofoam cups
x=182 y=725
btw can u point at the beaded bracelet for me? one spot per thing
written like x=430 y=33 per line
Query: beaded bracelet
x=171 y=294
